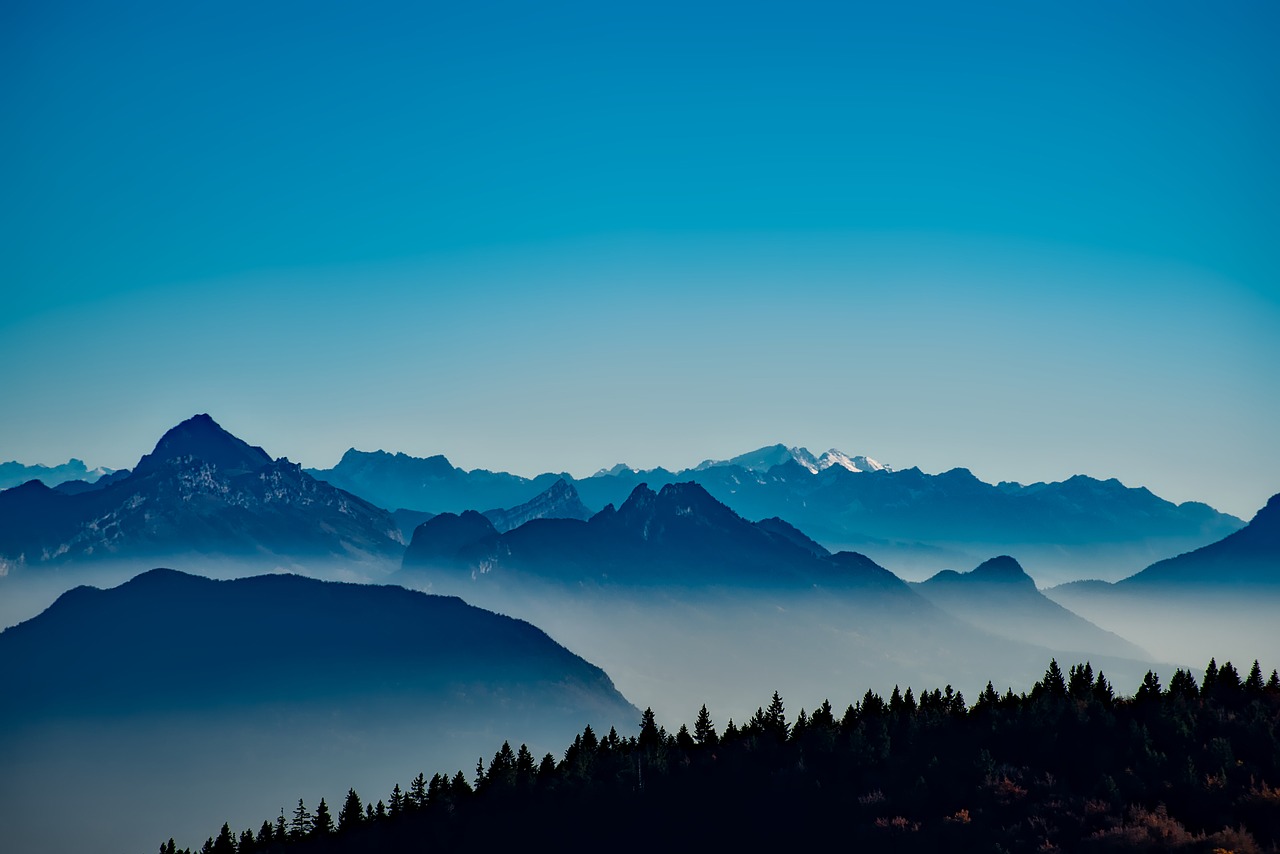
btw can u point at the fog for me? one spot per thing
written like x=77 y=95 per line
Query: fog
x=139 y=780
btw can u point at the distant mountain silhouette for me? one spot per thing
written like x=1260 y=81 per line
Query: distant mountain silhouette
x=73 y=471
x=430 y=484
x=1218 y=600
x=171 y=640
x=998 y=596
x=173 y=692
x=852 y=502
x=679 y=536
x=560 y=501
x=1249 y=557
x=200 y=491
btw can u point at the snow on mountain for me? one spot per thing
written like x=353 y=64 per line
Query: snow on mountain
x=766 y=458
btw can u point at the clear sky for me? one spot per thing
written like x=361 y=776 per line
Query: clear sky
x=1032 y=239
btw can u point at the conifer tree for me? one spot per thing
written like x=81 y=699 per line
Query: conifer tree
x=1183 y=685
x=301 y=823
x=1080 y=681
x=460 y=786
x=1253 y=685
x=225 y=843
x=397 y=802
x=526 y=770
x=1054 y=685
x=704 y=731
x=246 y=844
x=266 y=835
x=1273 y=684
x=417 y=799
x=1149 y=689
x=684 y=740
x=352 y=812
x=322 y=825
x=1102 y=691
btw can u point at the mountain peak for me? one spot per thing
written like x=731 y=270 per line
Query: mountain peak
x=204 y=439
x=1001 y=569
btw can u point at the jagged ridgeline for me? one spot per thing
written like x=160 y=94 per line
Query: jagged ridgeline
x=1069 y=766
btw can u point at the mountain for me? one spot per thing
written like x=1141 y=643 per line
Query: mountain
x=429 y=484
x=14 y=473
x=1219 y=600
x=201 y=491
x=775 y=455
x=167 y=640
x=679 y=535
x=560 y=501
x=918 y=522
x=683 y=601
x=1001 y=598
x=1249 y=557
x=173 y=695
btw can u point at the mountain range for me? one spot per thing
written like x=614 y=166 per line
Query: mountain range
x=14 y=473
x=915 y=521
x=681 y=598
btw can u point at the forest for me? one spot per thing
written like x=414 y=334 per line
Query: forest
x=1072 y=765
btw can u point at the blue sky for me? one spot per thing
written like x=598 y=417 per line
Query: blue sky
x=1029 y=239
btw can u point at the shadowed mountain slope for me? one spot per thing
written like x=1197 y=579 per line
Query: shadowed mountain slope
x=1001 y=598
x=560 y=501
x=678 y=536
x=201 y=491
x=173 y=695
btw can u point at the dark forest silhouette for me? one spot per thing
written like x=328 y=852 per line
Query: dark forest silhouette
x=1069 y=766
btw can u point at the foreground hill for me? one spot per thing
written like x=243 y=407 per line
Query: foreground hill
x=280 y=681
x=201 y=491
x=905 y=518
x=1069 y=766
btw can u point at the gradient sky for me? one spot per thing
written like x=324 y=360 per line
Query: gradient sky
x=1032 y=239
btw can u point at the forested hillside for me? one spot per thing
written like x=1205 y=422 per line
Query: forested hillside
x=1069 y=766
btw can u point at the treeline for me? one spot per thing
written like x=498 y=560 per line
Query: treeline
x=1193 y=766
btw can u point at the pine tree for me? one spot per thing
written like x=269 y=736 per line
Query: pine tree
x=1254 y=685
x=704 y=731
x=1080 y=681
x=417 y=799
x=525 y=767
x=1054 y=685
x=397 y=802
x=225 y=843
x=323 y=823
x=649 y=737
x=460 y=786
x=1183 y=685
x=1149 y=690
x=684 y=740
x=1102 y=691
x=301 y=824
x=1273 y=684
x=246 y=844
x=266 y=835
x=352 y=812
x=1209 y=685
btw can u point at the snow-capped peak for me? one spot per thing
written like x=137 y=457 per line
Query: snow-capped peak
x=834 y=457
